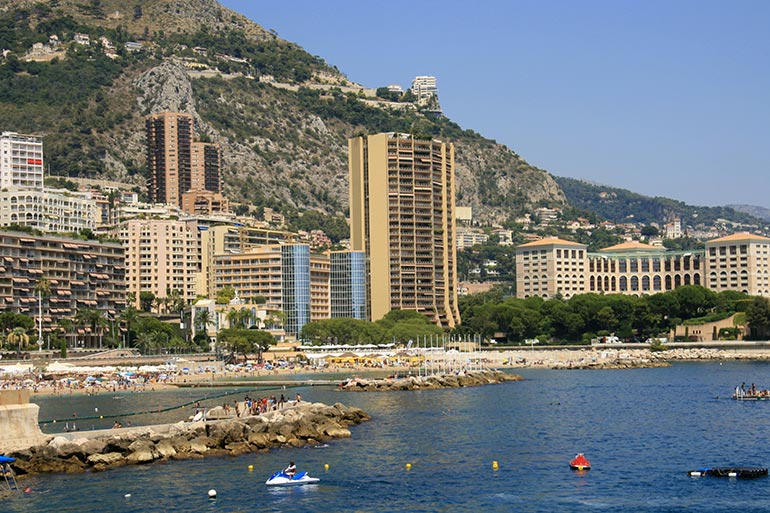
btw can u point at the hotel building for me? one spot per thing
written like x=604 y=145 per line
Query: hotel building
x=739 y=262
x=550 y=267
x=554 y=266
x=402 y=216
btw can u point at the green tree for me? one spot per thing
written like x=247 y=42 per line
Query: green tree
x=146 y=300
x=758 y=319
x=18 y=338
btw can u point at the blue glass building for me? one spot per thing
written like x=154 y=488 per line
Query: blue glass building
x=295 y=286
x=348 y=284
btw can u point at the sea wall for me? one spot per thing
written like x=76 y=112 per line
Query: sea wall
x=294 y=426
x=432 y=382
x=18 y=421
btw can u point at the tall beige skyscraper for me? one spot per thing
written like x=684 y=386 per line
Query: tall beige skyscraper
x=402 y=215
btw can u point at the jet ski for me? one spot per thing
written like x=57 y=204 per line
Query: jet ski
x=283 y=479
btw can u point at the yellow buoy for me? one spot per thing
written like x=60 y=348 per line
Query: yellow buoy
x=494 y=465
x=101 y=416
x=251 y=467
x=326 y=466
x=408 y=466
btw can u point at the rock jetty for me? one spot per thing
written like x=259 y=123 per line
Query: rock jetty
x=432 y=382
x=292 y=426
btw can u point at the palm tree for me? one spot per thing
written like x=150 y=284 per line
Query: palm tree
x=130 y=316
x=203 y=320
x=18 y=336
x=92 y=319
x=42 y=289
x=145 y=341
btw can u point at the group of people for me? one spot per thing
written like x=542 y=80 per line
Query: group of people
x=743 y=391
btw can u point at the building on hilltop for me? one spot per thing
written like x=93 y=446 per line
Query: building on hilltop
x=424 y=87
x=739 y=262
x=21 y=161
x=402 y=216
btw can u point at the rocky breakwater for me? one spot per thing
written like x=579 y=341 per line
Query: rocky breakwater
x=304 y=423
x=643 y=358
x=432 y=382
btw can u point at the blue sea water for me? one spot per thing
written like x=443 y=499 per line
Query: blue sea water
x=641 y=429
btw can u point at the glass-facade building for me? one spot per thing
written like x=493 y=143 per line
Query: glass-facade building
x=348 y=284
x=295 y=286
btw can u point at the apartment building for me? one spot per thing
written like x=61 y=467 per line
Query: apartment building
x=425 y=88
x=287 y=276
x=21 y=161
x=161 y=256
x=169 y=156
x=79 y=275
x=49 y=210
x=739 y=262
x=231 y=238
x=402 y=216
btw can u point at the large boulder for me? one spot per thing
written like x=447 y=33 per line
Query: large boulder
x=142 y=451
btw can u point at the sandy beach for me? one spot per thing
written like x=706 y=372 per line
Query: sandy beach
x=95 y=380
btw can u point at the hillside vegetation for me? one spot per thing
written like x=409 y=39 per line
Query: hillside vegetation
x=284 y=138
x=620 y=206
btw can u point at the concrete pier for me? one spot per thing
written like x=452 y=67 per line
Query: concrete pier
x=18 y=421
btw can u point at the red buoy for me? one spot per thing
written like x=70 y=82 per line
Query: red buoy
x=580 y=462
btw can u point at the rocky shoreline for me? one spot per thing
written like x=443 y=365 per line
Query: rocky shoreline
x=294 y=426
x=590 y=358
x=432 y=382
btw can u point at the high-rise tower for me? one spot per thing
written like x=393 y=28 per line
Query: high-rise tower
x=169 y=156
x=402 y=215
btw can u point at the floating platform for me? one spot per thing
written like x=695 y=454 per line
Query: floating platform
x=737 y=472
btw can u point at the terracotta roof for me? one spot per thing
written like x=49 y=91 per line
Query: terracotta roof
x=633 y=246
x=743 y=236
x=551 y=241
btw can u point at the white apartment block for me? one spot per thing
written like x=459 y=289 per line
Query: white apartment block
x=21 y=161
x=424 y=88
x=53 y=211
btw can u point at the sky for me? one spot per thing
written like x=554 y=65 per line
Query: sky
x=661 y=97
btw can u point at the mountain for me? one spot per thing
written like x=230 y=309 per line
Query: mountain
x=621 y=206
x=760 y=212
x=281 y=115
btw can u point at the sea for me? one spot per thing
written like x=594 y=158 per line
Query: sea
x=497 y=448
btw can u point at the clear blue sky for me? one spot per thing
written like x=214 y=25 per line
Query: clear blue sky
x=662 y=97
